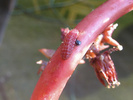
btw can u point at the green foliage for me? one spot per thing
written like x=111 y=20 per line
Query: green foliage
x=68 y=12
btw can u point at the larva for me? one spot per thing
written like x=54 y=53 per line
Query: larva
x=69 y=43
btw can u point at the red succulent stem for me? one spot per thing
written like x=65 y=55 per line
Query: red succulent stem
x=58 y=71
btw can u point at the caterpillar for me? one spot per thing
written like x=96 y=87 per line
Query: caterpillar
x=69 y=43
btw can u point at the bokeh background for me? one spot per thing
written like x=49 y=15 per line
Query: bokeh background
x=35 y=24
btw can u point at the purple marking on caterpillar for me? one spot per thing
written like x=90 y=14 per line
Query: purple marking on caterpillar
x=69 y=43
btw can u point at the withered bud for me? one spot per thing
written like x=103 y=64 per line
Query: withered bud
x=105 y=69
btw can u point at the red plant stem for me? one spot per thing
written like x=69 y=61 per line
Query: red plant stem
x=58 y=71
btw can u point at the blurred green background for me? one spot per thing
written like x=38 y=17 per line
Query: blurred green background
x=35 y=24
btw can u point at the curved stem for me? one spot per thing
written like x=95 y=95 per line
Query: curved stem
x=58 y=71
